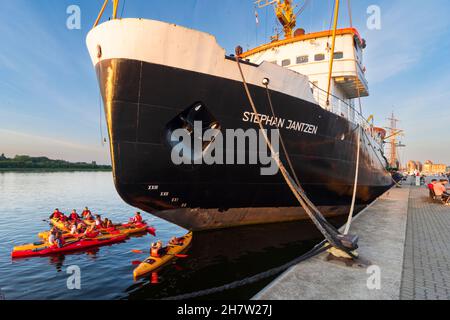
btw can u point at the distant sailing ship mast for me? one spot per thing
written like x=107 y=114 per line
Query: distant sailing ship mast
x=394 y=133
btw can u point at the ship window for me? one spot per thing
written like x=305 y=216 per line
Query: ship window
x=302 y=59
x=339 y=55
x=319 y=57
x=285 y=62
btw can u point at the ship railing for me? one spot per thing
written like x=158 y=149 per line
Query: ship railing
x=344 y=109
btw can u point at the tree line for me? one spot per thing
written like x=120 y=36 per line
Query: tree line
x=27 y=162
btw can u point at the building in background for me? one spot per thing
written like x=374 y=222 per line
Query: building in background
x=430 y=168
x=413 y=166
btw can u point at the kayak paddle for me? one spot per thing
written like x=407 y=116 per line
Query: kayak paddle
x=137 y=251
x=152 y=231
x=136 y=262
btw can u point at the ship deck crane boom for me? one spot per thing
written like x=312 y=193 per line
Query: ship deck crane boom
x=284 y=11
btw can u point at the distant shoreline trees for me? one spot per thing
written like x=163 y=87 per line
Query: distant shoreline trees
x=41 y=163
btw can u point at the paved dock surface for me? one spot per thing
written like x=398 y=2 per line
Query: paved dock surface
x=404 y=234
x=382 y=230
x=426 y=273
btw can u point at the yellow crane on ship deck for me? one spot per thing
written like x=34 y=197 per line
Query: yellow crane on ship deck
x=284 y=10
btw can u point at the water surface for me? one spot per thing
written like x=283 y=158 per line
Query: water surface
x=214 y=258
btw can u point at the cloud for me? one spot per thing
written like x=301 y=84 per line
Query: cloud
x=410 y=31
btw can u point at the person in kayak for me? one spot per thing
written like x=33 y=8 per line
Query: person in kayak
x=157 y=250
x=74 y=228
x=98 y=222
x=108 y=224
x=89 y=216
x=52 y=237
x=176 y=241
x=137 y=218
x=91 y=232
x=56 y=214
x=86 y=212
x=74 y=216
x=59 y=240
x=154 y=250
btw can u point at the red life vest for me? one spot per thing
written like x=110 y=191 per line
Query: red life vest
x=137 y=219
x=85 y=213
x=154 y=252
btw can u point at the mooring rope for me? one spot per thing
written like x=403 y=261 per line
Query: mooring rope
x=294 y=174
x=318 y=249
x=328 y=231
x=355 y=184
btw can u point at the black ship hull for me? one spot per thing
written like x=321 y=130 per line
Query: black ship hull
x=142 y=100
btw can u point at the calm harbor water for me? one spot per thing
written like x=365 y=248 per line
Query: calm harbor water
x=214 y=258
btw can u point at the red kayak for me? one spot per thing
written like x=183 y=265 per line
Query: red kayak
x=71 y=246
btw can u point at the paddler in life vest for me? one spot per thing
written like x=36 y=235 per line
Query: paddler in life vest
x=59 y=240
x=108 y=224
x=89 y=217
x=56 y=214
x=157 y=250
x=137 y=218
x=52 y=237
x=86 y=212
x=91 y=232
x=98 y=222
x=175 y=241
x=73 y=228
x=81 y=227
x=74 y=215
x=154 y=249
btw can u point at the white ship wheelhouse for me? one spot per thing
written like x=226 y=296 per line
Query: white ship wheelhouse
x=309 y=54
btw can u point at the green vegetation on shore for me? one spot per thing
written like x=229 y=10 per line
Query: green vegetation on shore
x=27 y=163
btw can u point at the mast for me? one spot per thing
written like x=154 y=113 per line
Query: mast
x=393 y=143
x=284 y=11
x=333 y=45
x=114 y=16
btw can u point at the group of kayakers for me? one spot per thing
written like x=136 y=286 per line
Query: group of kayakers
x=90 y=225
x=85 y=215
x=87 y=224
x=76 y=232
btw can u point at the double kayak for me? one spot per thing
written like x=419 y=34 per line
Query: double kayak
x=125 y=229
x=45 y=235
x=61 y=225
x=42 y=249
x=152 y=263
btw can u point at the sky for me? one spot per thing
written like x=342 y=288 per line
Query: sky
x=49 y=97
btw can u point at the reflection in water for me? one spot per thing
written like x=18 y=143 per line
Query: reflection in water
x=220 y=257
x=214 y=259
x=57 y=261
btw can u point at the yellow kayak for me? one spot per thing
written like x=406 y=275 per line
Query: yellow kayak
x=31 y=246
x=45 y=244
x=63 y=226
x=59 y=224
x=126 y=229
x=151 y=263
